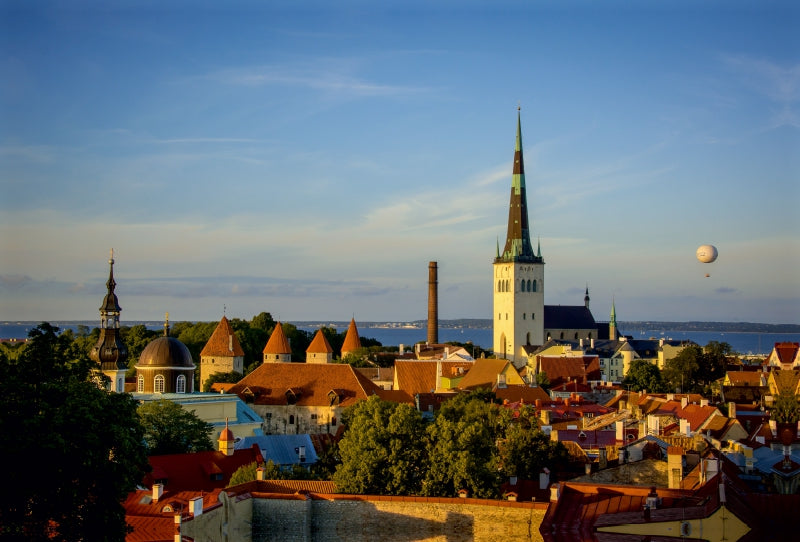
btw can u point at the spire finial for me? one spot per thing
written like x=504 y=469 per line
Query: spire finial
x=224 y=308
x=518 y=106
x=111 y=257
x=166 y=324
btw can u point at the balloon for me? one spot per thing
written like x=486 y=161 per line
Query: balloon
x=707 y=253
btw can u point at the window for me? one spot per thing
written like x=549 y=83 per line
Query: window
x=333 y=420
x=291 y=419
x=524 y=316
x=180 y=384
x=534 y=285
x=158 y=384
x=313 y=416
x=529 y=285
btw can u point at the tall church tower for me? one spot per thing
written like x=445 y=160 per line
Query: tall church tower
x=110 y=351
x=518 y=276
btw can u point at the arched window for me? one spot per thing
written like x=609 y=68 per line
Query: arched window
x=576 y=335
x=499 y=286
x=291 y=419
x=534 y=286
x=529 y=285
x=140 y=383
x=158 y=384
x=528 y=338
x=508 y=287
x=524 y=316
x=180 y=384
x=561 y=336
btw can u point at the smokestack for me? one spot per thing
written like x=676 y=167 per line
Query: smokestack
x=433 y=304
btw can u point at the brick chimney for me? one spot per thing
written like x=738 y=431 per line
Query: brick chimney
x=433 y=303
x=158 y=490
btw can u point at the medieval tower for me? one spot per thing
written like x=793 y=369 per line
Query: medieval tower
x=518 y=276
x=110 y=351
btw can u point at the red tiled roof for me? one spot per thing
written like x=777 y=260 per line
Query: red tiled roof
x=320 y=344
x=193 y=472
x=277 y=343
x=154 y=521
x=785 y=353
x=560 y=369
x=516 y=393
x=696 y=415
x=223 y=341
x=415 y=377
x=311 y=383
x=351 y=339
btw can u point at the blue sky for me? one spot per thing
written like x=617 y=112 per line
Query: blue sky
x=310 y=158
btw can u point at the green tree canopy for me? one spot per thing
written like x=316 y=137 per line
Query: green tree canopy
x=680 y=372
x=526 y=450
x=169 y=429
x=383 y=450
x=643 y=375
x=72 y=451
x=231 y=377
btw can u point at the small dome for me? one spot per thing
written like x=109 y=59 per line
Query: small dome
x=226 y=435
x=166 y=352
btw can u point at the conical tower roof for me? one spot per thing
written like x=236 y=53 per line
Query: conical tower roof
x=518 y=247
x=352 y=342
x=319 y=345
x=110 y=351
x=223 y=342
x=278 y=343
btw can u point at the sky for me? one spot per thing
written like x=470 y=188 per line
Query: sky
x=308 y=159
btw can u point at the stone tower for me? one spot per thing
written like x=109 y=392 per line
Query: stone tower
x=277 y=348
x=222 y=353
x=110 y=351
x=518 y=280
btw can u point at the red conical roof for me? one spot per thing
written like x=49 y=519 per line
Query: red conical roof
x=223 y=341
x=277 y=343
x=351 y=341
x=320 y=344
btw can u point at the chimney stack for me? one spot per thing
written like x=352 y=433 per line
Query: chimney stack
x=158 y=490
x=433 y=304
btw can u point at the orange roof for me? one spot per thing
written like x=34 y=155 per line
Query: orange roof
x=351 y=340
x=785 y=353
x=319 y=345
x=193 y=472
x=277 y=343
x=415 y=377
x=561 y=369
x=155 y=520
x=745 y=378
x=483 y=374
x=515 y=393
x=311 y=383
x=223 y=341
x=696 y=415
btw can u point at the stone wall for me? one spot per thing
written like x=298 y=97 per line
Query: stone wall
x=357 y=518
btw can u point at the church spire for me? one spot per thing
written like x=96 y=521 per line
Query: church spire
x=612 y=324
x=110 y=351
x=586 y=297
x=518 y=246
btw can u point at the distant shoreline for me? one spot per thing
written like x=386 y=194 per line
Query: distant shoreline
x=626 y=327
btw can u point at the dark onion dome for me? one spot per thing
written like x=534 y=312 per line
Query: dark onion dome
x=166 y=352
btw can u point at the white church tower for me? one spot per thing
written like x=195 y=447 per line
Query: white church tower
x=518 y=277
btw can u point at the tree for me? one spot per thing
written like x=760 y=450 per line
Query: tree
x=526 y=450
x=231 y=377
x=462 y=439
x=382 y=450
x=72 y=451
x=643 y=375
x=712 y=363
x=785 y=409
x=169 y=429
x=680 y=372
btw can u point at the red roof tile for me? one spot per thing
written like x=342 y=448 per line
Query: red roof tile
x=199 y=470
x=351 y=339
x=320 y=344
x=269 y=382
x=223 y=341
x=277 y=343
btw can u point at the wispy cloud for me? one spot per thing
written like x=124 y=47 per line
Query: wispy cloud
x=779 y=84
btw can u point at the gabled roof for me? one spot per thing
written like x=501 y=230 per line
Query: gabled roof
x=483 y=374
x=514 y=393
x=415 y=377
x=746 y=378
x=561 y=369
x=277 y=343
x=351 y=340
x=320 y=344
x=784 y=381
x=311 y=383
x=568 y=317
x=193 y=472
x=282 y=449
x=223 y=341
x=784 y=353
x=696 y=415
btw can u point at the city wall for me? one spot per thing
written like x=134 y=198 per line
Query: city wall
x=351 y=518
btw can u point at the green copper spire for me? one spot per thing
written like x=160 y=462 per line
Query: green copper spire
x=518 y=246
x=613 y=313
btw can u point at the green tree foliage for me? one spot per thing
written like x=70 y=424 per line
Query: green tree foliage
x=72 y=451
x=462 y=439
x=785 y=409
x=713 y=362
x=526 y=450
x=542 y=380
x=231 y=377
x=643 y=375
x=383 y=450
x=169 y=429
x=680 y=372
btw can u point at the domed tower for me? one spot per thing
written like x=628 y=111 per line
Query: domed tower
x=110 y=351
x=165 y=366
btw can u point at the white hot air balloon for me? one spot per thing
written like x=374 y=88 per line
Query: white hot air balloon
x=707 y=253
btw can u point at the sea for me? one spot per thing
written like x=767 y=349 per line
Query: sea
x=741 y=342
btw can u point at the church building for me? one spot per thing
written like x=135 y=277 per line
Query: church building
x=521 y=320
x=110 y=351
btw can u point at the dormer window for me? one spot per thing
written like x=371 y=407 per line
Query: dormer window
x=334 y=398
x=292 y=396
